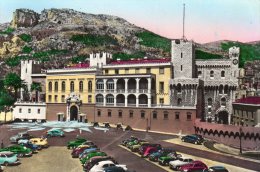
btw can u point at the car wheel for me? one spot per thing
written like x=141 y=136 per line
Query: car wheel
x=196 y=143
x=5 y=164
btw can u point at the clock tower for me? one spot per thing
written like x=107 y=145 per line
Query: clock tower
x=234 y=53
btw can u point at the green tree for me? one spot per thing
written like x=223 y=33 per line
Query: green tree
x=6 y=102
x=37 y=87
x=13 y=82
x=12 y=61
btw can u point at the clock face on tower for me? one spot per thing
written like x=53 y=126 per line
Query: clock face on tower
x=235 y=61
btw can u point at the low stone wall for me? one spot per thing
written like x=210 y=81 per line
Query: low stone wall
x=230 y=135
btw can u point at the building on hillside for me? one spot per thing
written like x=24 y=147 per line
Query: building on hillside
x=246 y=112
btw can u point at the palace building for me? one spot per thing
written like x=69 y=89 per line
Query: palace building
x=165 y=94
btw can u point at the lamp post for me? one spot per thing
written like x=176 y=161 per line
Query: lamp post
x=240 y=137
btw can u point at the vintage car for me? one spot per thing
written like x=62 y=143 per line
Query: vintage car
x=195 y=139
x=92 y=154
x=179 y=162
x=163 y=152
x=19 y=150
x=80 y=149
x=100 y=166
x=33 y=147
x=216 y=169
x=135 y=148
x=86 y=151
x=40 y=142
x=89 y=164
x=8 y=158
x=146 y=145
x=165 y=160
x=114 y=169
x=75 y=143
x=135 y=142
x=55 y=132
x=19 y=136
x=132 y=138
x=193 y=166
x=149 y=150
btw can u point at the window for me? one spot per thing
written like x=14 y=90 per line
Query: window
x=212 y=74
x=179 y=88
x=72 y=86
x=188 y=116
x=221 y=89
x=116 y=71
x=90 y=86
x=63 y=86
x=63 y=98
x=161 y=100
x=209 y=110
x=148 y=70
x=49 y=98
x=110 y=84
x=90 y=98
x=209 y=101
x=29 y=110
x=109 y=114
x=137 y=70
x=50 y=86
x=131 y=114
x=106 y=71
x=161 y=70
x=177 y=115
x=165 y=115
x=225 y=89
x=222 y=74
x=181 y=67
x=181 y=54
x=39 y=111
x=161 y=89
x=142 y=114
x=126 y=71
x=120 y=114
x=56 y=86
x=199 y=73
x=20 y=110
x=99 y=113
x=110 y=98
x=100 y=84
x=154 y=115
x=80 y=86
x=56 y=98
x=179 y=101
x=223 y=101
x=99 y=98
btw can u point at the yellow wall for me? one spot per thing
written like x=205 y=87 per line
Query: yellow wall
x=68 y=78
x=159 y=78
x=9 y=116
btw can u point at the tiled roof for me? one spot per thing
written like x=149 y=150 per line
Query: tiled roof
x=136 y=61
x=249 y=100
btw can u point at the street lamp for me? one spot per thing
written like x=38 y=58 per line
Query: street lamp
x=240 y=137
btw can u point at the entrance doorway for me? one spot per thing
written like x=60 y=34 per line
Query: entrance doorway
x=223 y=117
x=73 y=113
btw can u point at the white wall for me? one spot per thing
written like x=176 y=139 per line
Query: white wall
x=34 y=114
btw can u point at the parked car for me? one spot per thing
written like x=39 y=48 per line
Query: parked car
x=216 y=169
x=192 y=139
x=179 y=162
x=19 y=136
x=194 y=166
x=100 y=166
x=132 y=138
x=33 y=147
x=149 y=150
x=88 y=165
x=114 y=169
x=135 y=148
x=86 y=151
x=8 y=158
x=55 y=132
x=146 y=145
x=19 y=150
x=165 y=160
x=156 y=155
x=75 y=143
x=87 y=143
x=77 y=151
x=92 y=154
x=40 y=142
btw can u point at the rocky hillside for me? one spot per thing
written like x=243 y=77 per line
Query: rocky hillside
x=61 y=36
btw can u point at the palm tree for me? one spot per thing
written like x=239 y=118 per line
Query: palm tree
x=13 y=82
x=36 y=86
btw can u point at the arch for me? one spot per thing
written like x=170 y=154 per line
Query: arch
x=73 y=113
x=257 y=136
x=247 y=136
x=131 y=84
x=236 y=135
x=215 y=132
x=81 y=86
x=179 y=102
x=50 y=86
x=179 y=88
x=110 y=84
x=90 y=86
x=72 y=86
x=231 y=134
x=56 y=86
x=143 y=99
x=222 y=117
x=212 y=74
x=210 y=101
x=210 y=132
x=206 y=131
x=221 y=133
x=100 y=84
x=63 y=86
x=223 y=101
x=221 y=87
x=99 y=99
x=226 y=89
x=226 y=134
x=131 y=99
x=223 y=74
x=120 y=84
x=110 y=99
x=143 y=83
x=120 y=98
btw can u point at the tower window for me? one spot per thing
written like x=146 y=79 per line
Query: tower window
x=222 y=74
x=161 y=70
x=181 y=54
x=212 y=74
x=179 y=101
x=181 y=67
x=72 y=86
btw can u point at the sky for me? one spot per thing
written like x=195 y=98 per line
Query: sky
x=205 y=20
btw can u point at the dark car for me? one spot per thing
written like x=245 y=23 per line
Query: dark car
x=89 y=164
x=163 y=152
x=33 y=147
x=114 y=169
x=216 y=169
x=192 y=139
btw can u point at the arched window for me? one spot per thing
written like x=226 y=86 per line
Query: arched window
x=110 y=84
x=80 y=86
x=209 y=101
x=99 y=98
x=222 y=74
x=72 y=86
x=89 y=85
x=110 y=98
x=100 y=84
x=179 y=101
x=223 y=101
x=212 y=74
x=225 y=89
x=56 y=86
x=221 y=89
x=179 y=88
x=50 y=86
x=63 y=86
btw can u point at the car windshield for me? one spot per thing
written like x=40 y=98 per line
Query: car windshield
x=10 y=155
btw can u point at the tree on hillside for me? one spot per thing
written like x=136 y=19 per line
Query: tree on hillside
x=13 y=83
x=6 y=102
x=37 y=87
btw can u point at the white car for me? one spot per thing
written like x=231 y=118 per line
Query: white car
x=181 y=161
x=23 y=141
x=100 y=166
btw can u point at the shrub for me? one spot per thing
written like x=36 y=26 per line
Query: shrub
x=94 y=40
x=124 y=56
x=26 y=37
x=205 y=55
x=8 y=31
x=27 y=49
